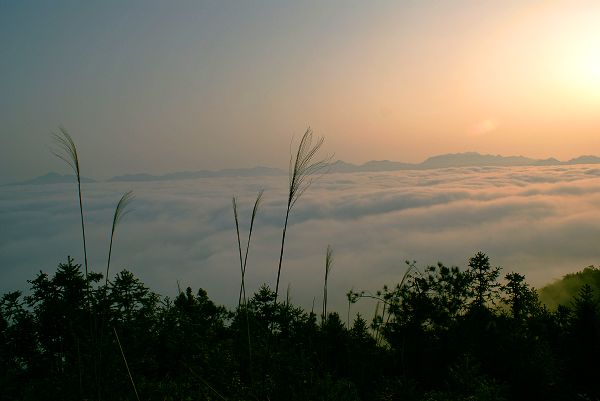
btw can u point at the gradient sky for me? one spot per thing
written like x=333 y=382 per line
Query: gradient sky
x=166 y=86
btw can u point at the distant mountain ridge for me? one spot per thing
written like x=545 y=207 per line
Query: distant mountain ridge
x=186 y=175
x=51 y=178
x=466 y=159
x=476 y=159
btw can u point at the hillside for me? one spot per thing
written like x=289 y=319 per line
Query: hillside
x=561 y=292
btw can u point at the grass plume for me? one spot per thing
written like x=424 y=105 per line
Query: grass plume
x=67 y=151
x=120 y=212
x=303 y=165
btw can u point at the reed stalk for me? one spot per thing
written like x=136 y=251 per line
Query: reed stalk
x=301 y=170
x=254 y=213
x=328 y=265
x=242 y=300
x=67 y=151
x=126 y=365
x=120 y=212
x=244 y=260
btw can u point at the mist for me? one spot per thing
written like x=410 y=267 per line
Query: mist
x=535 y=220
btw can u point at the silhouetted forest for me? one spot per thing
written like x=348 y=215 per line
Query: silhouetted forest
x=441 y=334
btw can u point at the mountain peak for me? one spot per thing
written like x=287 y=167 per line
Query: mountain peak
x=51 y=178
x=448 y=160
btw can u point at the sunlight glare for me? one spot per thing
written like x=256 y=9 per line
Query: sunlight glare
x=580 y=61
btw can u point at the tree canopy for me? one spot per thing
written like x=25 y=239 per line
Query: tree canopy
x=441 y=333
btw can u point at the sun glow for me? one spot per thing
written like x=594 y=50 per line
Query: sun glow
x=577 y=56
x=580 y=66
x=589 y=67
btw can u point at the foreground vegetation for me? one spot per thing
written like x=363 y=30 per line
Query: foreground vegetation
x=441 y=333
x=444 y=334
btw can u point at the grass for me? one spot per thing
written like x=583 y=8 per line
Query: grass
x=126 y=365
x=120 y=212
x=328 y=265
x=244 y=260
x=303 y=165
x=67 y=151
x=242 y=301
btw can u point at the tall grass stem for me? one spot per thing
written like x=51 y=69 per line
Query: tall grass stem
x=67 y=151
x=303 y=165
x=328 y=265
x=126 y=365
x=120 y=212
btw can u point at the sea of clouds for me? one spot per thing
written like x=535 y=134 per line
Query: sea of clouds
x=541 y=221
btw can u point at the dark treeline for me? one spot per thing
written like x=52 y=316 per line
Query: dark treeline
x=440 y=334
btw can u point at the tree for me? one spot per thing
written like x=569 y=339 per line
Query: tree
x=484 y=285
x=521 y=298
x=62 y=324
x=584 y=346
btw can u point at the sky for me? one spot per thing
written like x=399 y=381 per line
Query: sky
x=538 y=221
x=156 y=86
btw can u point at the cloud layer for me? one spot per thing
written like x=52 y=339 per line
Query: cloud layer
x=541 y=221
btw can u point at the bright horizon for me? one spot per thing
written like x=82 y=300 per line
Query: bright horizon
x=151 y=87
x=65 y=170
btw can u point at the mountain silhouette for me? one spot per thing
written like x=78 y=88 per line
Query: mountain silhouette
x=450 y=160
x=51 y=178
